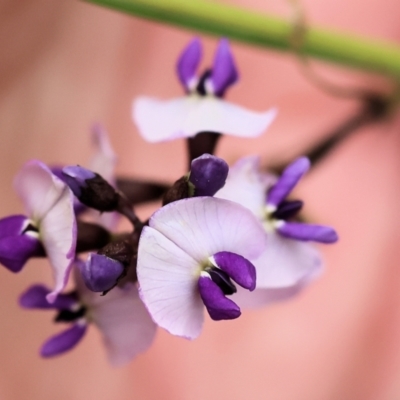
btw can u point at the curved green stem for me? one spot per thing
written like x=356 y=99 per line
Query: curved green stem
x=266 y=31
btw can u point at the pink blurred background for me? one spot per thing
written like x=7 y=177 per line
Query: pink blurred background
x=64 y=65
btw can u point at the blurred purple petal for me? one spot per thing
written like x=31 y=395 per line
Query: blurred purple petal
x=224 y=71
x=208 y=174
x=287 y=181
x=300 y=231
x=64 y=341
x=100 y=273
x=188 y=63
x=13 y=225
x=35 y=297
x=241 y=270
x=218 y=306
x=75 y=177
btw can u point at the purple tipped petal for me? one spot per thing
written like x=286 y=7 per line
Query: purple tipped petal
x=64 y=341
x=16 y=250
x=241 y=270
x=218 y=306
x=75 y=177
x=208 y=174
x=288 y=180
x=12 y=225
x=224 y=72
x=316 y=233
x=100 y=273
x=35 y=297
x=188 y=62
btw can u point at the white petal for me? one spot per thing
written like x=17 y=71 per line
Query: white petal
x=159 y=120
x=168 y=285
x=124 y=322
x=203 y=226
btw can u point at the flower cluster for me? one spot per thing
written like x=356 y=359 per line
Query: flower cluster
x=224 y=238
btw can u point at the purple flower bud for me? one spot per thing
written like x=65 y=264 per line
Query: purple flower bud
x=75 y=177
x=208 y=174
x=188 y=62
x=306 y=232
x=100 y=273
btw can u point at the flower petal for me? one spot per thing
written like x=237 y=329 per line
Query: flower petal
x=63 y=341
x=224 y=71
x=35 y=297
x=168 y=284
x=203 y=226
x=218 y=306
x=12 y=225
x=307 y=232
x=287 y=181
x=187 y=116
x=188 y=63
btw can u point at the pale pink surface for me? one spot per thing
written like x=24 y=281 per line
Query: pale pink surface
x=65 y=65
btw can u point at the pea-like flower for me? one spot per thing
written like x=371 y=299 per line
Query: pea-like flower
x=202 y=109
x=188 y=257
x=289 y=262
x=121 y=317
x=49 y=229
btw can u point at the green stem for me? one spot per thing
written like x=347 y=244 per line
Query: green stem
x=263 y=30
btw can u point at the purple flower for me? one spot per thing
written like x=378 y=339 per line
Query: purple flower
x=121 y=317
x=202 y=110
x=289 y=262
x=188 y=257
x=50 y=227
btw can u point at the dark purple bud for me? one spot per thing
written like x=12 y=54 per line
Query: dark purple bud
x=287 y=209
x=16 y=250
x=218 y=306
x=63 y=341
x=179 y=190
x=188 y=63
x=222 y=279
x=35 y=297
x=100 y=273
x=308 y=232
x=91 y=189
x=208 y=174
x=287 y=181
x=241 y=270
x=224 y=71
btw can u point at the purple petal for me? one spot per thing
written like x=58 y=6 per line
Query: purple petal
x=35 y=297
x=242 y=271
x=124 y=322
x=12 y=225
x=16 y=250
x=187 y=116
x=75 y=177
x=208 y=174
x=204 y=226
x=64 y=341
x=218 y=306
x=288 y=180
x=168 y=277
x=224 y=72
x=188 y=63
x=306 y=232
x=100 y=273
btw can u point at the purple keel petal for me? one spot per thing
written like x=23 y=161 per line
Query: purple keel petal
x=35 y=297
x=64 y=341
x=242 y=271
x=316 y=233
x=203 y=226
x=12 y=225
x=188 y=62
x=208 y=174
x=288 y=180
x=218 y=306
x=16 y=250
x=224 y=72
x=100 y=273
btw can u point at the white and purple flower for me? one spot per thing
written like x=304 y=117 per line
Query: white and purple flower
x=202 y=109
x=49 y=229
x=121 y=317
x=189 y=255
x=289 y=261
